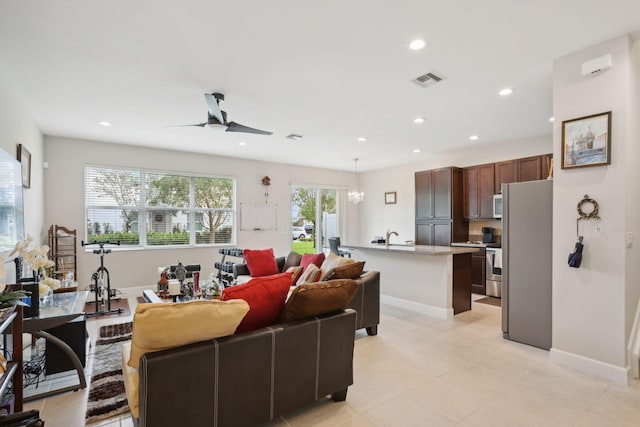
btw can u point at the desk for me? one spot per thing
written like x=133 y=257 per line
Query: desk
x=64 y=308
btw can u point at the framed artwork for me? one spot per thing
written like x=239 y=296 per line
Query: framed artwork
x=390 y=198
x=24 y=157
x=586 y=141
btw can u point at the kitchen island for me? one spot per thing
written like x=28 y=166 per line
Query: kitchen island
x=435 y=280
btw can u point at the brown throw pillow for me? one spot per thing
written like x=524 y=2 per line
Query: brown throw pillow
x=311 y=300
x=348 y=271
x=293 y=260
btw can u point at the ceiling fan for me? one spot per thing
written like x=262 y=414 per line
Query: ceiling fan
x=218 y=118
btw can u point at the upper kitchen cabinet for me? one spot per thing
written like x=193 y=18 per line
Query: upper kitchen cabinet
x=529 y=169
x=478 y=189
x=434 y=193
x=439 y=216
x=505 y=173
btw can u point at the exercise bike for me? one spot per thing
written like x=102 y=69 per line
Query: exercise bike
x=98 y=277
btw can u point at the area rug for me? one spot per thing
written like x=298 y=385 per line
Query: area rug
x=497 y=302
x=107 y=397
x=90 y=307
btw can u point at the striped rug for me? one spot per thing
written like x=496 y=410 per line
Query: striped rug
x=106 y=393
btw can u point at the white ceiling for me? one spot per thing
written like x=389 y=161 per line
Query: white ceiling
x=332 y=71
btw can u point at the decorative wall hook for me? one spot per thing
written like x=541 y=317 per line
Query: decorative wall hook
x=266 y=181
x=583 y=208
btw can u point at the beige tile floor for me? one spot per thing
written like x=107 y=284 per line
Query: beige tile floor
x=422 y=371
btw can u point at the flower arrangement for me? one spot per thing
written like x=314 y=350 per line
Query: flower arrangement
x=38 y=258
x=8 y=297
x=48 y=284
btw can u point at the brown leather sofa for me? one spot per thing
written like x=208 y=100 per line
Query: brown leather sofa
x=251 y=378
x=366 y=301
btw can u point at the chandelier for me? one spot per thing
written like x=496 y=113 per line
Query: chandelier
x=354 y=195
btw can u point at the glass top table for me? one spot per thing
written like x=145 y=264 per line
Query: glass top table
x=63 y=308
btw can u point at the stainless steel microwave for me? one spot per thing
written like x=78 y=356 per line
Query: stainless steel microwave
x=497 y=205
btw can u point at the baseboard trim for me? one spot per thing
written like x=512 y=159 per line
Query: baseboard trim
x=430 y=310
x=590 y=366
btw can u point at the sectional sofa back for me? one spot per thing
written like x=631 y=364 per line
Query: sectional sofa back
x=250 y=378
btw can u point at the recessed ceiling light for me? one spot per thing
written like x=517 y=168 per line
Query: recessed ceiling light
x=551 y=119
x=416 y=150
x=362 y=139
x=473 y=137
x=105 y=123
x=418 y=120
x=417 y=44
x=242 y=143
x=506 y=91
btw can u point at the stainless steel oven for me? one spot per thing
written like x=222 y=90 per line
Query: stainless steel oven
x=494 y=272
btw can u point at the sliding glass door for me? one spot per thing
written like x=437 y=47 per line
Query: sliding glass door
x=314 y=218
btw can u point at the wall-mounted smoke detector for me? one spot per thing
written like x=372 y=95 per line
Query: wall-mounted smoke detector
x=427 y=80
x=596 y=66
x=294 y=137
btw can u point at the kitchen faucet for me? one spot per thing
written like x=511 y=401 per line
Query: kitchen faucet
x=389 y=233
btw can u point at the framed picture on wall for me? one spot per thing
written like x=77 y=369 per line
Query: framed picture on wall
x=390 y=198
x=24 y=157
x=586 y=141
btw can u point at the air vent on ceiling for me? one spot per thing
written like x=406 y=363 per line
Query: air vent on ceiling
x=428 y=79
x=294 y=137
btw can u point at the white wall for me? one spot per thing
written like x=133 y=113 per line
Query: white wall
x=64 y=201
x=17 y=127
x=590 y=312
x=632 y=265
x=377 y=217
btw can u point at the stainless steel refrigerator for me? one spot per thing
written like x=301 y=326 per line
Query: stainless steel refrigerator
x=526 y=264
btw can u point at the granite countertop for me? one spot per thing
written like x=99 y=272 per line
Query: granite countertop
x=414 y=249
x=477 y=244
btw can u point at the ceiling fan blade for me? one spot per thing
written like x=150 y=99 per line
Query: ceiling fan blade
x=237 y=127
x=182 y=126
x=214 y=108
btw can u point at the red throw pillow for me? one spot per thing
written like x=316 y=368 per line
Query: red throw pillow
x=266 y=297
x=316 y=259
x=261 y=262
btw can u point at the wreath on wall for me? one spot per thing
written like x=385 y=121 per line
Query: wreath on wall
x=583 y=208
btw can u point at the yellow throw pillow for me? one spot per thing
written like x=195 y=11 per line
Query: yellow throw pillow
x=165 y=325
x=131 y=381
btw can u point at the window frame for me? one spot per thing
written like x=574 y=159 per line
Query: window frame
x=144 y=210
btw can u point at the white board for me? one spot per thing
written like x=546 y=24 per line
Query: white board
x=258 y=216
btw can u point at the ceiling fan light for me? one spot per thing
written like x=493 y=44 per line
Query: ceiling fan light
x=217 y=126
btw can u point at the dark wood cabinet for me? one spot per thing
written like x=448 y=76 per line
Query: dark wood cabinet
x=439 y=210
x=434 y=233
x=505 y=173
x=434 y=193
x=424 y=197
x=478 y=190
x=529 y=169
x=478 y=285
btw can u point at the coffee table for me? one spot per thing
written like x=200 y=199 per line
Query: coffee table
x=151 y=297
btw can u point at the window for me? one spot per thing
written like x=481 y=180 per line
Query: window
x=151 y=209
x=315 y=211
